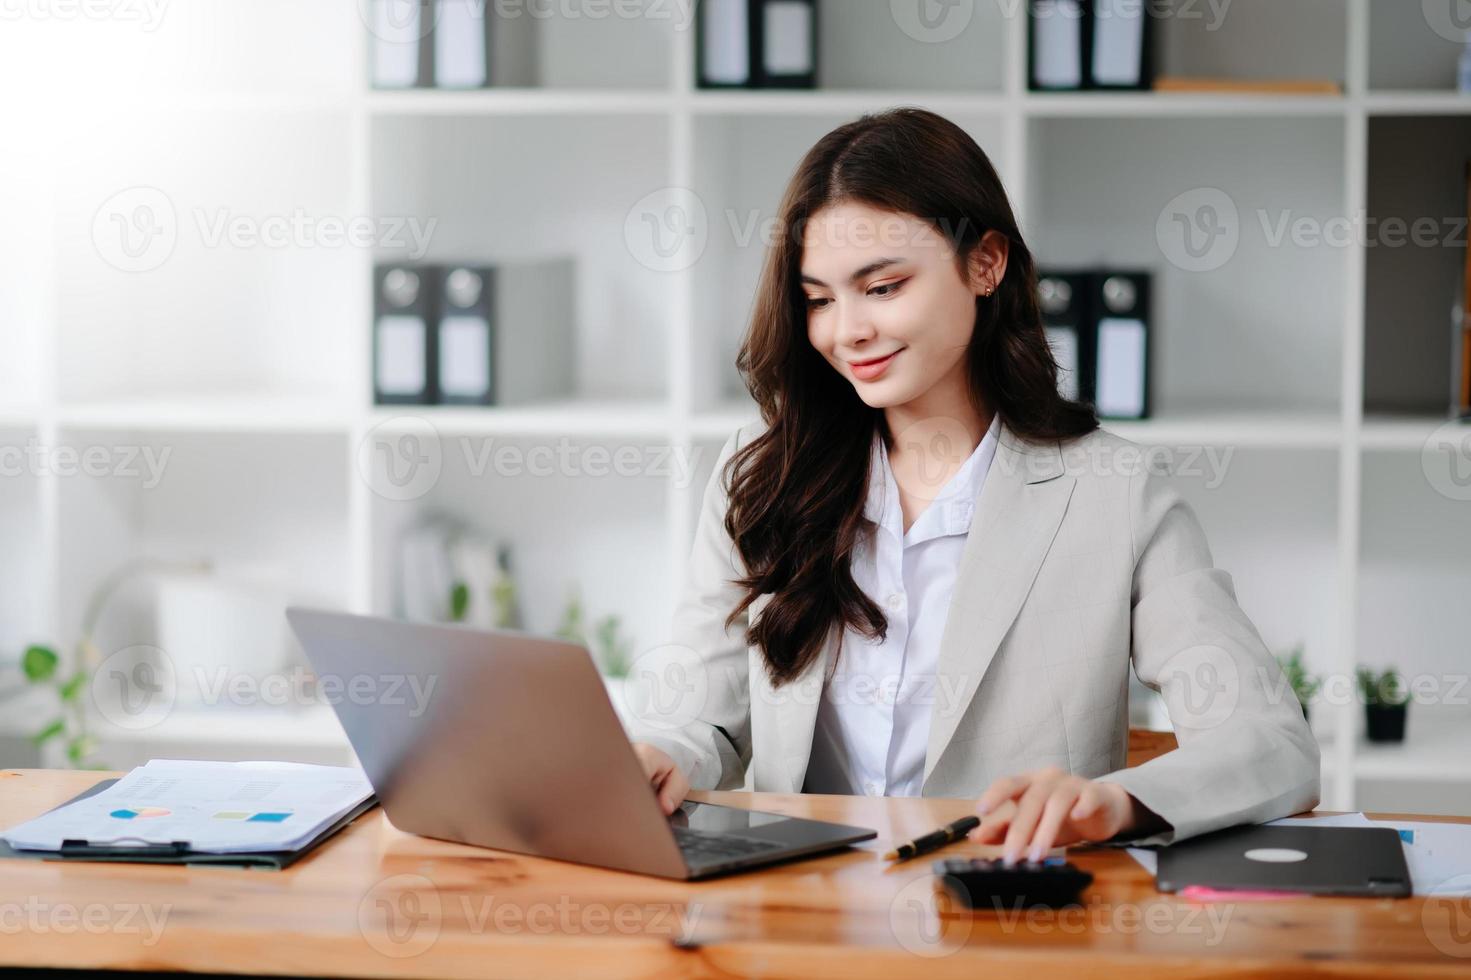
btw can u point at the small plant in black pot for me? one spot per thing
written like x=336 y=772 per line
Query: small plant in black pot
x=1386 y=704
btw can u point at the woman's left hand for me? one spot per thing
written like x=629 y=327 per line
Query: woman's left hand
x=1035 y=811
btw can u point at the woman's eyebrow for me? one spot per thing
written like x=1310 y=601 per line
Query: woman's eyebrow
x=856 y=277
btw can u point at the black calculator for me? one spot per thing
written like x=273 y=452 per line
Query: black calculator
x=987 y=883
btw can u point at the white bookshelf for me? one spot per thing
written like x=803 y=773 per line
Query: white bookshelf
x=254 y=364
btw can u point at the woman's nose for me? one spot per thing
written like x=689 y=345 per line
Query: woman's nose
x=854 y=326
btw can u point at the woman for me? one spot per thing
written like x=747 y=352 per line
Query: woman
x=924 y=571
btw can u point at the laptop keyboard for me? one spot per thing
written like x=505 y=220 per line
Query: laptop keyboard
x=700 y=847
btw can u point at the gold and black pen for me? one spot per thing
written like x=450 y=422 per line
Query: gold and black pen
x=948 y=834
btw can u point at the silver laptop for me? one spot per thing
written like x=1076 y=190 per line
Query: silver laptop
x=508 y=740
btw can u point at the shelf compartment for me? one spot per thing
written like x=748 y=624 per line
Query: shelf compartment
x=1416 y=176
x=876 y=45
x=1413 y=573
x=585 y=514
x=266 y=510
x=570 y=189
x=623 y=46
x=1413 y=50
x=1257 y=40
x=1233 y=323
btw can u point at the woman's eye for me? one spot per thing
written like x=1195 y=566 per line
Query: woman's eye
x=816 y=302
x=889 y=288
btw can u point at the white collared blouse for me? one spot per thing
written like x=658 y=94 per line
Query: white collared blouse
x=873 y=722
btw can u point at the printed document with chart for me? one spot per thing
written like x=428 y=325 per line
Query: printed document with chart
x=217 y=807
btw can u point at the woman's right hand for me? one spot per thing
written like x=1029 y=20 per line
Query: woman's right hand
x=670 y=785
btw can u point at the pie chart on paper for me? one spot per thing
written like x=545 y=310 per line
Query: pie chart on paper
x=139 y=812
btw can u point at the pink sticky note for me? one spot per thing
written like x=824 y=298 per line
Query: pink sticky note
x=1204 y=893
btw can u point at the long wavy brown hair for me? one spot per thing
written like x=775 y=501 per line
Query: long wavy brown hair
x=796 y=493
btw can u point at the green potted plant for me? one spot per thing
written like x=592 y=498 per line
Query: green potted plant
x=1304 y=684
x=572 y=629
x=502 y=595
x=42 y=668
x=1386 y=704
x=611 y=648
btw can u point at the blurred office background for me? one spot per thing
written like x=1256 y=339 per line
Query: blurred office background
x=200 y=202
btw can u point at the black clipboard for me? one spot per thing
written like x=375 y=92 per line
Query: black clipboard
x=179 y=852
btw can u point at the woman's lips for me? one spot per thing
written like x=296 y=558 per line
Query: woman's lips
x=872 y=370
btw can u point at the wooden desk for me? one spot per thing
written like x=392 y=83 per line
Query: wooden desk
x=375 y=902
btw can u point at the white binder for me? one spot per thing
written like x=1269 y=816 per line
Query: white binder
x=396 y=28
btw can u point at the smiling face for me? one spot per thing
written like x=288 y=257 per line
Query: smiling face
x=887 y=306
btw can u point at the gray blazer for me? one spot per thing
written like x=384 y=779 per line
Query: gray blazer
x=1082 y=558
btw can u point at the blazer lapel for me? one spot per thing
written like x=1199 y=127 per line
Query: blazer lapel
x=796 y=714
x=1018 y=512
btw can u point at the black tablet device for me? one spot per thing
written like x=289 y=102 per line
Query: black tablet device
x=1299 y=858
